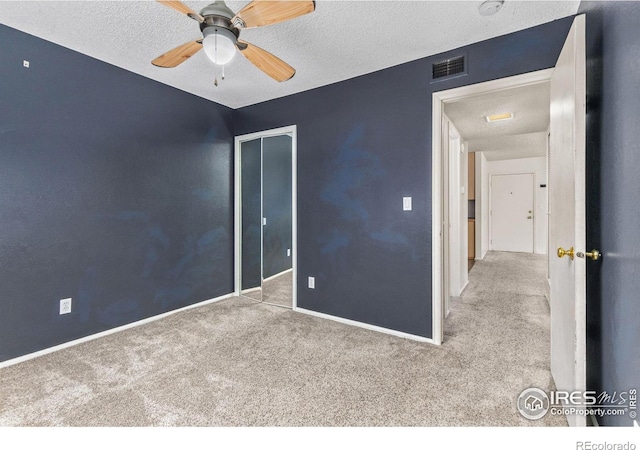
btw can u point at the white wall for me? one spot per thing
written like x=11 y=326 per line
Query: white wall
x=537 y=166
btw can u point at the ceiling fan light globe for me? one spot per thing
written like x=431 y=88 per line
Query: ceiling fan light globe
x=222 y=51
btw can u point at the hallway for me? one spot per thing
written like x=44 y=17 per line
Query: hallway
x=502 y=319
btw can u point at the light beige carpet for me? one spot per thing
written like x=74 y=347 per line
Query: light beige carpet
x=242 y=363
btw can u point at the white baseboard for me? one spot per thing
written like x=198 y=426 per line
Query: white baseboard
x=367 y=326
x=91 y=337
x=277 y=275
x=547 y=291
x=247 y=291
x=463 y=288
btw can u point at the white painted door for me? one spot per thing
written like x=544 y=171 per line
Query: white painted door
x=512 y=212
x=567 y=216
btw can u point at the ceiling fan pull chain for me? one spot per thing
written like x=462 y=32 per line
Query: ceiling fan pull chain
x=223 y=72
x=215 y=62
x=215 y=74
x=215 y=51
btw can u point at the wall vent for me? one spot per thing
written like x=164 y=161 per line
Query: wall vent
x=448 y=68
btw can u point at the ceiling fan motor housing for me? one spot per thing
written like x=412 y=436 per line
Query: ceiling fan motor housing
x=217 y=17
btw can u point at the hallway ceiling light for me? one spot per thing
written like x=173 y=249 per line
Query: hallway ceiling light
x=498 y=117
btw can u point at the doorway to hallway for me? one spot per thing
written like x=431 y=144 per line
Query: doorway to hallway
x=566 y=196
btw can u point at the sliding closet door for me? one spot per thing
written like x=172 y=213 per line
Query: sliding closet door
x=265 y=218
x=276 y=197
x=251 y=200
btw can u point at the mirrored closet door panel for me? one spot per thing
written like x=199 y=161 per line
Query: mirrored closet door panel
x=251 y=217
x=277 y=272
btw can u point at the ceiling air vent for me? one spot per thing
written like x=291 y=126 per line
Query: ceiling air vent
x=448 y=68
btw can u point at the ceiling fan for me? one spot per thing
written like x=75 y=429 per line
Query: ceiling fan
x=220 y=28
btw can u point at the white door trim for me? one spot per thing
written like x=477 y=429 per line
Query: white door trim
x=439 y=191
x=291 y=131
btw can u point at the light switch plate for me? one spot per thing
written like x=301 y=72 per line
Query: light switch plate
x=406 y=203
x=264 y=221
x=312 y=282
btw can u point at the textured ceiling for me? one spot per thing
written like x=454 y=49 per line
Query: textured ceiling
x=340 y=40
x=524 y=136
x=528 y=145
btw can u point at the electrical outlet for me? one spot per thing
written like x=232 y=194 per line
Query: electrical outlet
x=288 y=252
x=406 y=204
x=25 y=63
x=312 y=282
x=65 y=306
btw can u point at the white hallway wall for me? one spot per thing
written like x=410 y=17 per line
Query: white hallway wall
x=537 y=166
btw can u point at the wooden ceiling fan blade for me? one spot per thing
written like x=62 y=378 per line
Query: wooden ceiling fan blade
x=178 y=55
x=182 y=9
x=265 y=61
x=259 y=13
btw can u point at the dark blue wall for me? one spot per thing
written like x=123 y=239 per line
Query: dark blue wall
x=251 y=191
x=613 y=202
x=276 y=200
x=114 y=190
x=363 y=144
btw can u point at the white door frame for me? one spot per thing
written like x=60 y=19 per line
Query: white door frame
x=533 y=232
x=456 y=247
x=440 y=187
x=291 y=131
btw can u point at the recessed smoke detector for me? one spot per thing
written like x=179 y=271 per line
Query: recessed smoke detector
x=490 y=7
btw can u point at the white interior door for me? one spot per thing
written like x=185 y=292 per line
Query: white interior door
x=512 y=212
x=567 y=216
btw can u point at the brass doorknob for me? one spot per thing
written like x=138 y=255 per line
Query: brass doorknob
x=593 y=254
x=562 y=252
